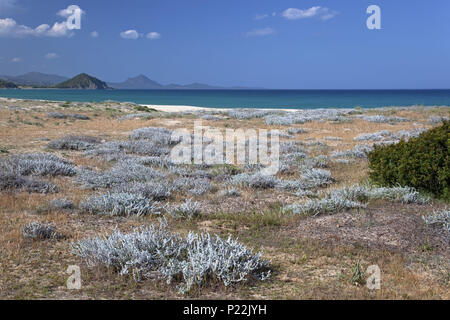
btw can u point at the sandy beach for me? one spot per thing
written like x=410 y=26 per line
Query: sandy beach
x=163 y=108
x=168 y=108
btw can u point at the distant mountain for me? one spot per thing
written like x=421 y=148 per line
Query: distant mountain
x=7 y=84
x=192 y=86
x=143 y=82
x=83 y=81
x=35 y=79
x=139 y=82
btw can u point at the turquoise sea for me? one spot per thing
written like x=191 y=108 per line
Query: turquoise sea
x=292 y=99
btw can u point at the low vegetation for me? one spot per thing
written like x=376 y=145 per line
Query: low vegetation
x=73 y=116
x=318 y=222
x=193 y=259
x=439 y=219
x=74 y=143
x=39 y=231
x=118 y=204
x=188 y=209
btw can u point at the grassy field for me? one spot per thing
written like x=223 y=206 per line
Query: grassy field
x=322 y=256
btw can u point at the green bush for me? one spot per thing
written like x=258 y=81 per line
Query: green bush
x=422 y=162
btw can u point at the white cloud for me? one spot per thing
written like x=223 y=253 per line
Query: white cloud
x=51 y=55
x=328 y=16
x=317 y=11
x=94 y=34
x=130 y=34
x=294 y=13
x=260 y=32
x=16 y=59
x=59 y=29
x=260 y=16
x=153 y=35
x=10 y=28
x=133 y=35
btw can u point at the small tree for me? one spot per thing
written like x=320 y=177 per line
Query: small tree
x=422 y=162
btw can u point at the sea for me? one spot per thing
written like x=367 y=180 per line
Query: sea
x=276 y=99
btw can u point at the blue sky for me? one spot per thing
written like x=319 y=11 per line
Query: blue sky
x=246 y=42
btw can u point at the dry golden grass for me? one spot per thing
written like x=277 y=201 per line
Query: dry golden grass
x=303 y=268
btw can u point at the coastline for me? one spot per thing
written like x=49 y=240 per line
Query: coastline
x=185 y=108
x=163 y=108
x=179 y=108
x=175 y=108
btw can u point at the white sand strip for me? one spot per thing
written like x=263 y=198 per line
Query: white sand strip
x=167 y=108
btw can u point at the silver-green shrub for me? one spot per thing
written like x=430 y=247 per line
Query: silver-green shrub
x=354 y=197
x=255 y=180
x=188 y=209
x=39 y=164
x=155 y=251
x=120 y=204
x=74 y=143
x=37 y=230
x=440 y=219
x=123 y=172
x=14 y=181
x=317 y=177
